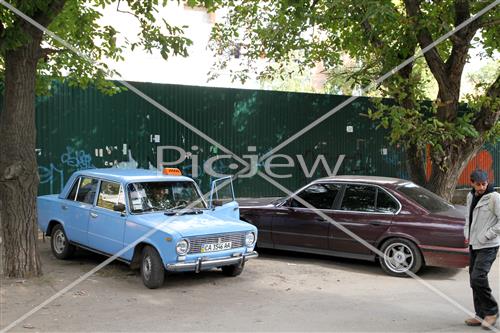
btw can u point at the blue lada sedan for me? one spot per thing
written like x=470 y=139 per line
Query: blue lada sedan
x=155 y=221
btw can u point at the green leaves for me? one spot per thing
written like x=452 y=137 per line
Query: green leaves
x=80 y=24
x=358 y=41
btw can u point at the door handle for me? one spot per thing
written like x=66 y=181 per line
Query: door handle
x=64 y=207
x=319 y=219
x=93 y=215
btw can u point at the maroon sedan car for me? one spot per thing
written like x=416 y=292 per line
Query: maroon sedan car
x=410 y=225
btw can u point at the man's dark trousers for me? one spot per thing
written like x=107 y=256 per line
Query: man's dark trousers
x=479 y=267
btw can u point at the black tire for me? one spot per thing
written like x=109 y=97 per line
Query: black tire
x=405 y=257
x=61 y=248
x=152 y=270
x=233 y=270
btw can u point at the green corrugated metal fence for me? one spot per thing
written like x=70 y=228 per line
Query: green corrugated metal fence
x=80 y=129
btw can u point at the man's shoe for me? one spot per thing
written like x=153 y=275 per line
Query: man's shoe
x=489 y=322
x=473 y=322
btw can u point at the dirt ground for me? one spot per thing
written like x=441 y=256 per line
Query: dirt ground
x=279 y=291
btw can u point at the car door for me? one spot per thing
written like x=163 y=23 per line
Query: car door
x=76 y=209
x=222 y=199
x=365 y=210
x=107 y=226
x=297 y=226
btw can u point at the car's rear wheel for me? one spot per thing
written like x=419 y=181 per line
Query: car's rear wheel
x=61 y=248
x=400 y=257
x=233 y=270
x=152 y=270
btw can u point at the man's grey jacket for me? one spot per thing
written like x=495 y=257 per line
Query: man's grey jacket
x=485 y=231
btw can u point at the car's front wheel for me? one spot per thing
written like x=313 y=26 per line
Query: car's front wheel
x=233 y=270
x=61 y=248
x=152 y=270
x=400 y=257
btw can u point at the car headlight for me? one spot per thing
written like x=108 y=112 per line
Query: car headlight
x=250 y=239
x=182 y=247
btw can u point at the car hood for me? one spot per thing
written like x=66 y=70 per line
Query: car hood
x=192 y=225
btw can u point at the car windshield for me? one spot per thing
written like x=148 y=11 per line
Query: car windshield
x=425 y=198
x=163 y=196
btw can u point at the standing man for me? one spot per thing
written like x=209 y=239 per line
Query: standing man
x=482 y=229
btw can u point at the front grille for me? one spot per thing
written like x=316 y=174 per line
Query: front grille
x=237 y=240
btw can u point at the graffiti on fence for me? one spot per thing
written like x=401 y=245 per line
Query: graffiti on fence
x=78 y=159
x=51 y=175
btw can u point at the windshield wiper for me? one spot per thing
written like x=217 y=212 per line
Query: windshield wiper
x=171 y=211
x=174 y=211
x=178 y=206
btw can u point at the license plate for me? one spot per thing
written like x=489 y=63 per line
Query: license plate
x=212 y=247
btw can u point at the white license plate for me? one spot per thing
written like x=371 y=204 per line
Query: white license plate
x=212 y=247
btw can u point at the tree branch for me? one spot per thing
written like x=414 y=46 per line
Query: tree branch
x=44 y=18
x=462 y=13
x=45 y=52
x=2 y=29
x=489 y=114
x=369 y=32
x=47 y=16
x=490 y=23
x=456 y=39
x=461 y=41
x=424 y=38
x=125 y=11
x=313 y=4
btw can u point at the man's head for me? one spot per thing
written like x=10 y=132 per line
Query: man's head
x=479 y=181
x=158 y=192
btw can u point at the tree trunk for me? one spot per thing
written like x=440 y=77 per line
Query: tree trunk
x=18 y=167
x=444 y=174
x=416 y=164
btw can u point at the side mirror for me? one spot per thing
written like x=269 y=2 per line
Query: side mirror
x=291 y=205
x=217 y=203
x=119 y=207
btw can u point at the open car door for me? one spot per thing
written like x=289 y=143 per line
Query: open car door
x=222 y=199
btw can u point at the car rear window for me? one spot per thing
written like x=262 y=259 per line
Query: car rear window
x=425 y=198
x=359 y=198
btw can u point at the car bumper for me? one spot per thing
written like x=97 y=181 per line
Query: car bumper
x=207 y=263
x=445 y=256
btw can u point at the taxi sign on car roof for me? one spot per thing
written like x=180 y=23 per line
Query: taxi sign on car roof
x=172 y=172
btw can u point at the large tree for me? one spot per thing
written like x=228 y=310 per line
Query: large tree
x=29 y=62
x=379 y=35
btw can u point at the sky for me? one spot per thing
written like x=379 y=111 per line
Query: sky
x=145 y=67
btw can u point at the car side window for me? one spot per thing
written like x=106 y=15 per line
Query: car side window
x=86 y=192
x=386 y=204
x=110 y=194
x=72 y=193
x=359 y=198
x=320 y=196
